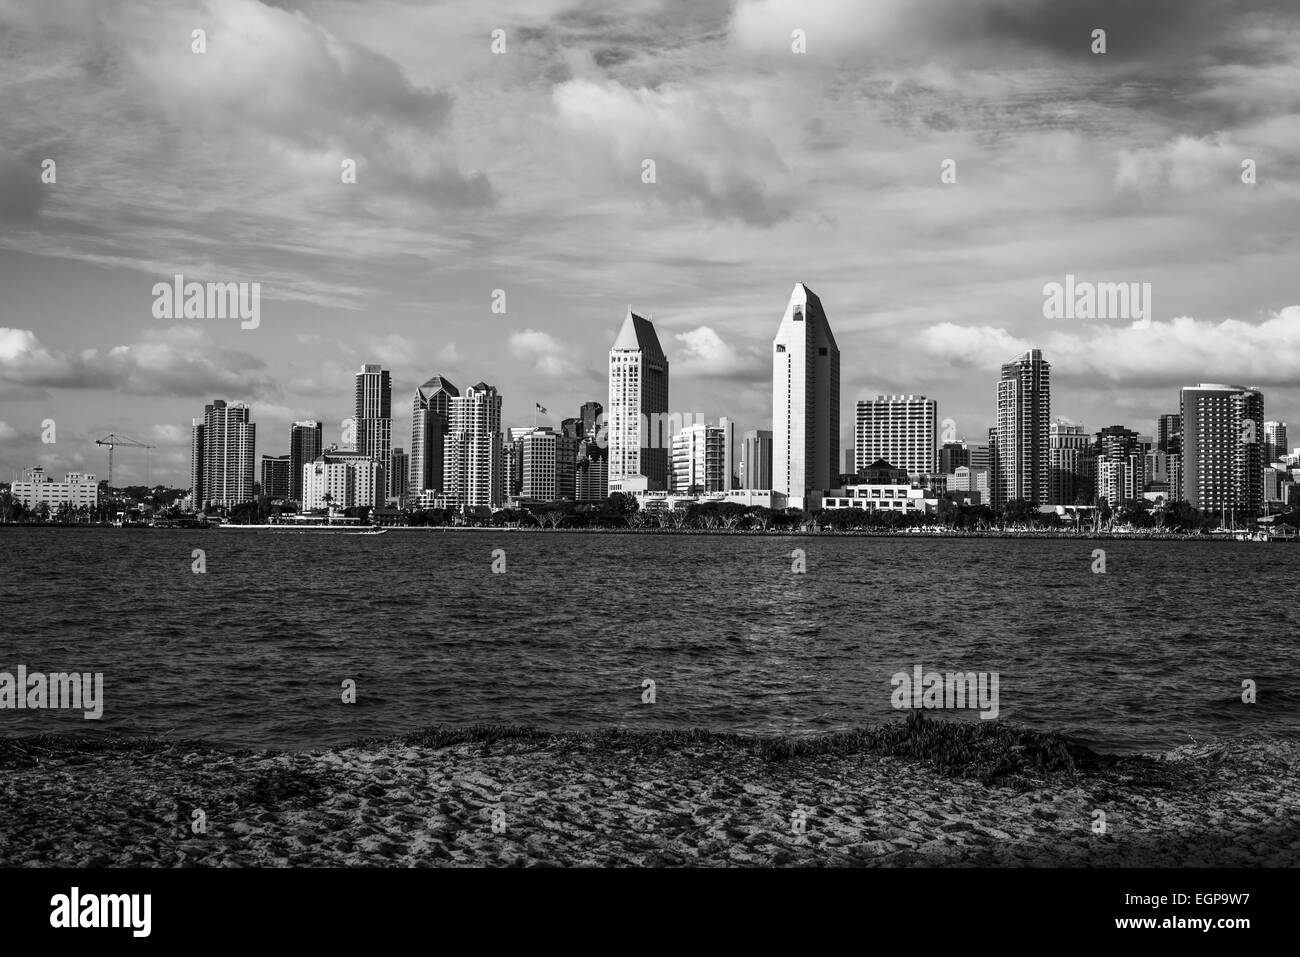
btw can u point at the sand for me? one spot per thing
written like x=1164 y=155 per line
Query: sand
x=518 y=797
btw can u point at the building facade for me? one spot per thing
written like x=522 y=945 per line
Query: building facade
x=755 y=470
x=901 y=429
x=805 y=400
x=473 y=463
x=276 y=483
x=430 y=421
x=223 y=474
x=1021 y=466
x=1223 y=447
x=343 y=479
x=33 y=487
x=374 y=415
x=305 y=445
x=637 y=436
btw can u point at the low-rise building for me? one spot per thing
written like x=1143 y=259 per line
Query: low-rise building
x=77 y=489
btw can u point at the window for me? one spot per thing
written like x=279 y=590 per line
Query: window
x=780 y=348
x=821 y=351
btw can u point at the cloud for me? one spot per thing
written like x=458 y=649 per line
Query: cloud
x=702 y=353
x=1185 y=164
x=1174 y=353
x=707 y=154
x=7 y=432
x=549 y=356
x=170 y=362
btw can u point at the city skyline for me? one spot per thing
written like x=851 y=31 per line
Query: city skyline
x=521 y=173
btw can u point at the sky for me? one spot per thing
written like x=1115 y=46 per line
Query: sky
x=523 y=171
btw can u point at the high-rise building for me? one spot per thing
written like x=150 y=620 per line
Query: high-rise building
x=305 y=445
x=275 y=477
x=374 y=415
x=900 y=429
x=1169 y=429
x=473 y=463
x=196 y=464
x=571 y=428
x=702 y=457
x=400 y=470
x=638 y=438
x=805 y=400
x=590 y=414
x=430 y=420
x=1274 y=441
x=1071 y=461
x=591 y=473
x=547 y=461
x=341 y=479
x=952 y=456
x=1117 y=443
x=1022 y=461
x=223 y=474
x=1223 y=447
x=756 y=459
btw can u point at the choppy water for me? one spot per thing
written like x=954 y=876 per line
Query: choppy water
x=254 y=652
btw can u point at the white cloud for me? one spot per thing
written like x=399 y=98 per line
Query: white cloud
x=549 y=356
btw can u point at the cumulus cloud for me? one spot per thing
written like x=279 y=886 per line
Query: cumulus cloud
x=1177 y=352
x=702 y=352
x=707 y=153
x=550 y=357
x=1185 y=164
x=171 y=362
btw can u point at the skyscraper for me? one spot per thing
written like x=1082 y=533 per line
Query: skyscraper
x=702 y=457
x=275 y=477
x=901 y=429
x=400 y=470
x=430 y=419
x=1223 y=447
x=1022 y=467
x=546 y=461
x=638 y=403
x=223 y=474
x=473 y=460
x=1274 y=441
x=305 y=445
x=590 y=413
x=1169 y=428
x=1072 y=462
x=805 y=400
x=756 y=459
x=196 y=464
x=374 y=416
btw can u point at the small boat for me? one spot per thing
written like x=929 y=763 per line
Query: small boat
x=372 y=531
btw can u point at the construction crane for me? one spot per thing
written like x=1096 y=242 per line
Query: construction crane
x=112 y=440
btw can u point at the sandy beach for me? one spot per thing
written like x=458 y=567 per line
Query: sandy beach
x=911 y=793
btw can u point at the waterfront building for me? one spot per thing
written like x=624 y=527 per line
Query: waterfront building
x=805 y=400
x=32 y=487
x=1020 y=454
x=305 y=445
x=1223 y=447
x=638 y=438
x=756 y=459
x=898 y=428
x=222 y=471
x=430 y=420
x=276 y=483
x=341 y=479
x=473 y=464
x=374 y=416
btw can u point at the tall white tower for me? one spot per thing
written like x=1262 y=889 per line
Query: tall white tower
x=635 y=418
x=805 y=400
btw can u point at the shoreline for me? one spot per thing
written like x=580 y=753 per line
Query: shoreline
x=921 y=792
x=1041 y=534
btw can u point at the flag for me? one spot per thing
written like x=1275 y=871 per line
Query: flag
x=540 y=408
